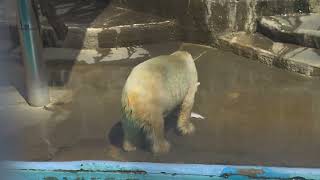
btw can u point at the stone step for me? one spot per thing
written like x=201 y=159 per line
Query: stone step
x=297 y=29
x=294 y=58
x=111 y=27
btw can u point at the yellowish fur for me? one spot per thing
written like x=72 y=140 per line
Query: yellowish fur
x=153 y=89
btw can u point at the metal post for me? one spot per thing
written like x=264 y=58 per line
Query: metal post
x=31 y=44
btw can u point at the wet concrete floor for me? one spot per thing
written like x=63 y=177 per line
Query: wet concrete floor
x=255 y=115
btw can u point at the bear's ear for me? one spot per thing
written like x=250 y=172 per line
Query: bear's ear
x=197 y=84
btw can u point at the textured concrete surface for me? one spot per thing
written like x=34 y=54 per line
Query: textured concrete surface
x=298 y=29
x=255 y=115
x=15 y=113
x=286 y=56
x=202 y=20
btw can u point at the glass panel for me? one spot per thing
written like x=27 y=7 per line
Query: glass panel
x=189 y=81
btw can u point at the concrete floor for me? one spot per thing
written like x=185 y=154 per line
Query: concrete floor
x=255 y=115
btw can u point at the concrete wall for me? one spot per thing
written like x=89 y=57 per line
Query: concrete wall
x=200 y=19
x=203 y=20
x=9 y=11
x=8 y=31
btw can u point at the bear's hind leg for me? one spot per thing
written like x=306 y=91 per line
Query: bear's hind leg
x=184 y=124
x=155 y=133
x=131 y=136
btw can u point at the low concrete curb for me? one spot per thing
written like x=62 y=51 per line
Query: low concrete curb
x=297 y=29
x=302 y=60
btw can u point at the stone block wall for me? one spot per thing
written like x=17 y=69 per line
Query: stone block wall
x=200 y=19
x=203 y=20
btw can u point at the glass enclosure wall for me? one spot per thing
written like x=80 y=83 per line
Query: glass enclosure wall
x=188 y=81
